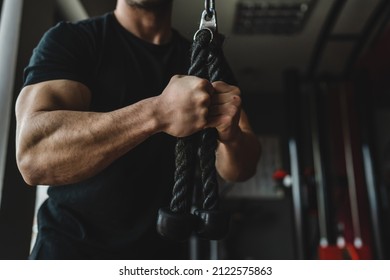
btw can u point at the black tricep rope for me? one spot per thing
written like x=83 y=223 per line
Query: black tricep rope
x=177 y=222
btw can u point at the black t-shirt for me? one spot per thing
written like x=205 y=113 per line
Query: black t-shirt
x=113 y=209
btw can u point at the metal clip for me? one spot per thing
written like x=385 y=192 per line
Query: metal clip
x=208 y=19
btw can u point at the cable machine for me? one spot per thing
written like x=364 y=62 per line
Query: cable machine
x=336 y=230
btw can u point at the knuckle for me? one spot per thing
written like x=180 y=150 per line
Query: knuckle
x=200 y=124
x=204 y=112
x=202 y=84
x=204 y=99
x=175 y=77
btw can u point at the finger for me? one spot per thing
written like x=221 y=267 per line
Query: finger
x=223 y=98
x=223 y=124
x=222 y=87
x=229 y=110
x=215 y=121
x=204 y=85
x=209 y=88
x=225 y=104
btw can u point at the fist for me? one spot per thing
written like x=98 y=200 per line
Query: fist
x=225 y=111
x=183 y=106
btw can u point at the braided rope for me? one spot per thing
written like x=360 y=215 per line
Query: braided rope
x=219 y=70
x=207 y=167
x=185 y=149
x=208 y=62
x=184 y=175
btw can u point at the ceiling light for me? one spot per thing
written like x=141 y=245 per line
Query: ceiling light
x=272 y=16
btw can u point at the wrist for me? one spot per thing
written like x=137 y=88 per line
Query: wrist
x=159 y=121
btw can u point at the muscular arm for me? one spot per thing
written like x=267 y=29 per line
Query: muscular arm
x=59 y=142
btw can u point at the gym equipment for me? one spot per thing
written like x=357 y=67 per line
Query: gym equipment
x=326 y=248
x=174 y=225
x=358 y=249
x=208 y=62
x=212 y=224
x=346 y=207
x=294 y=142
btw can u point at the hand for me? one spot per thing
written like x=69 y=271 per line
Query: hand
x=183 y=106
x=224 y=111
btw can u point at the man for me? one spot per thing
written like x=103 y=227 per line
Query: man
x=97 y=120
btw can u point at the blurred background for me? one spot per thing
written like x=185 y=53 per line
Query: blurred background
x=314 y=80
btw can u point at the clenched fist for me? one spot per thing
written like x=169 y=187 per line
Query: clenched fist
x=225 y=110
x=189 y=104
x=183 y=106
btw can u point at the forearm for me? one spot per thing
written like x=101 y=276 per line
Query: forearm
x=59 y=142
x=237 y=160
x=75 y=145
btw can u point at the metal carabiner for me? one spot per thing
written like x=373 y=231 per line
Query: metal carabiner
x=208 y=19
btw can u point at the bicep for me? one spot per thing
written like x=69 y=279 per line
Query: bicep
x=51 y=96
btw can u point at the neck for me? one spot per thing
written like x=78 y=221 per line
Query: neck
x=147 y=24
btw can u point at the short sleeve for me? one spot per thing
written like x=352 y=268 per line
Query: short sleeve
x=63 y=53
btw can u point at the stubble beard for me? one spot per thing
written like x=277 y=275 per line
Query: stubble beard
x=151 y=5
